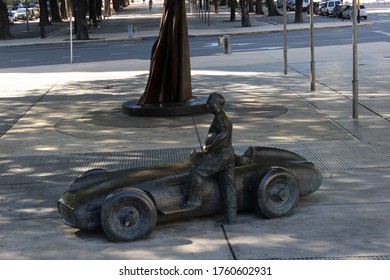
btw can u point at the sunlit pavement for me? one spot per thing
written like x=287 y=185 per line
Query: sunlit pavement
x=65 y=119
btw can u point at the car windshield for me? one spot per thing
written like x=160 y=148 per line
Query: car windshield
x=362 y=7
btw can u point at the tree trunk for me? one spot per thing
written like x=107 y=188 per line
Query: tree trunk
x=259 y=7
x=233 y=6
x=92 y=12
x=99 y=5
x=272 y=10
x=298 y=11
x=4 y=23
x=63 y=14
x=107 y=8
x=55 y=14
x=245 y=20
x=251 y=6
x=44 y=13
x=116 y=5
x=80 y=20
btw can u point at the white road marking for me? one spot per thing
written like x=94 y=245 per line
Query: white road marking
x=20 y=60
x=122 y=53
x=382 y=32
x=259 y=49
x=67 y=57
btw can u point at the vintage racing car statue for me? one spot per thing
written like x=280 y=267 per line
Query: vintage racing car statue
x=127 y=204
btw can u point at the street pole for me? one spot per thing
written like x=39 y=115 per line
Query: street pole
x=71 y=37
x=285 y=35
x=312 y=61
x=27 y=16
x=209 y=8
x=355 y=93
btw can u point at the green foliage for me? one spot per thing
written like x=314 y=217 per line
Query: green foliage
x=10 y=3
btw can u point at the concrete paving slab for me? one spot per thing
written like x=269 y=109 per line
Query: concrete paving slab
x=346 y=217
x=66 y=120
x=30 y=228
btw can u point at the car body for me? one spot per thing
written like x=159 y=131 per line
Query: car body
x=337 y=11
x=127 y=204
x=305 y=5
x=11 y=17
x=321 y=8
x=290 y=5
x=316 y=7
x=328 y=6
x=35 y=12
x=21 y=14
x=17 y=5
x=347 y=12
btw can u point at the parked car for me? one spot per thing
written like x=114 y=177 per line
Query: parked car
x=321 y=8
x=316 y=8
x=127 y=204
x=35 y=12
x=290 y=5
x=337 y=11
x=22 y=14
x=305 y=5
x=10 y=17
x=347 y=12
x=328 y=7
x=17 y=5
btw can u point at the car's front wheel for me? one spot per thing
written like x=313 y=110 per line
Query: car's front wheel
x=277 y=193
x=128 y=215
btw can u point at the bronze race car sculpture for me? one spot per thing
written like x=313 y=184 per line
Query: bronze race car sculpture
x=127 y=204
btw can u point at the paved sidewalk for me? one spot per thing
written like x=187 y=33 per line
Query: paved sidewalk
x=53 y=129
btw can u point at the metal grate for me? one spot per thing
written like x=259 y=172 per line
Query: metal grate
x=64 y=168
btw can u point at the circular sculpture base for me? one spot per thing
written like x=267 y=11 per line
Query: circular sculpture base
x=194 y=105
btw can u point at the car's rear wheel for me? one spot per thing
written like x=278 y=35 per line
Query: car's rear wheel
x=128 y=215
x=277 y=193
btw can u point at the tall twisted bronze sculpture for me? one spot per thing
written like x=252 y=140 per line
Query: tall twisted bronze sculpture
x=168 y=90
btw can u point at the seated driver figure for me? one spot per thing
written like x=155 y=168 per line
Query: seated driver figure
x=217 y=157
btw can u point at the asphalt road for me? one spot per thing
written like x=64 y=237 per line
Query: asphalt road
x=202 y=46
x=24 y=56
